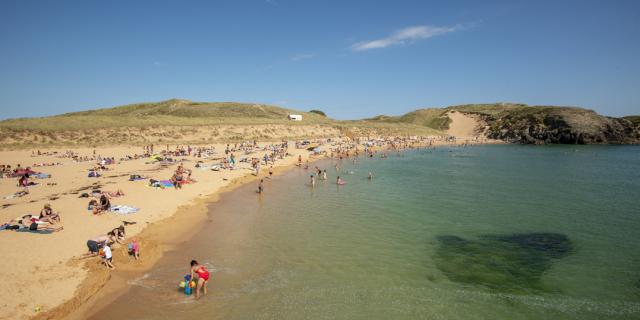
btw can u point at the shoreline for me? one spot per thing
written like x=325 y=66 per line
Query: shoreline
x=163 y=214
x=112 y=290
x=105 y=290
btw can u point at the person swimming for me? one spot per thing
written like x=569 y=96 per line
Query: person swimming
x=339 y=181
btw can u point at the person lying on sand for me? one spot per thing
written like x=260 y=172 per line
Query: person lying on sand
x=114 y=194
x=34 y=224
x=47 y=215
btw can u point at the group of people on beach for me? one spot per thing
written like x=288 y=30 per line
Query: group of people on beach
x=47 y=221
x=101 y=246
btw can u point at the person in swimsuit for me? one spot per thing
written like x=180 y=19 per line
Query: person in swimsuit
x=119 y=234
x=261 y=186
x=203 y=277
x=34 y=224
x=47 y=215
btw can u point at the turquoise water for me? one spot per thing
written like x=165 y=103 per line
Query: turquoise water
x=490 y=232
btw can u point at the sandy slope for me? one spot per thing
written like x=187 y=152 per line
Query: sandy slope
x=463 y=126
x=38 y=270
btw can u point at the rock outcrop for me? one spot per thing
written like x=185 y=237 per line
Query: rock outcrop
x=551 y=125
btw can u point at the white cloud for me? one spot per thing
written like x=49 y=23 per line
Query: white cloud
x=403 y=36
x=302 y=56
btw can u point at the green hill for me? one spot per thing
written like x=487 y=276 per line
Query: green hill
x=173 y=112
x=532 y=124
x=182 y=120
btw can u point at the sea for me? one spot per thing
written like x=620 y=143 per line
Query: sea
x=479 y=232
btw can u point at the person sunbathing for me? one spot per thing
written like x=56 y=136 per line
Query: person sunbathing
x=33 y=224
x=114 y=194
x=47 y=215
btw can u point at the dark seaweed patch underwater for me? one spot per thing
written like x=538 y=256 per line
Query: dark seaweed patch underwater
x=512 y=263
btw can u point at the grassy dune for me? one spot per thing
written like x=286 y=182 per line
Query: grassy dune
x=183 y=121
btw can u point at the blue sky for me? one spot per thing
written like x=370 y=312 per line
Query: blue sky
x=352 y=59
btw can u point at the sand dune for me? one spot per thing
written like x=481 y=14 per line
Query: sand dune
x=464 y=125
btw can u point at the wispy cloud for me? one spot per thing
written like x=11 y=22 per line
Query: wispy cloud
x=406 y=35
x=302 y=56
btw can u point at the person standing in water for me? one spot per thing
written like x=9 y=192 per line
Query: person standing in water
x=313 y=181
x=261 y=186
x=370 y=176
x=324 y=174
x=203 y=277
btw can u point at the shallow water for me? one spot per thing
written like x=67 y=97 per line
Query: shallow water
x=490 y=232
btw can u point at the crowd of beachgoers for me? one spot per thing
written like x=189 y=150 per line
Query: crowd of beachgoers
x=100 y=201
x=114 y=183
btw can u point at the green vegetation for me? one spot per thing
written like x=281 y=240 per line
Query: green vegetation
x=318 y=112
x=166 y=113
x=174 y=120
x=431 y=118
x=634 y=119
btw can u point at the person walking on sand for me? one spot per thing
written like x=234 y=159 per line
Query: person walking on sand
x=203 y=277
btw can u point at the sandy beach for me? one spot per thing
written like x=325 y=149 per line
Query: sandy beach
x=44 y=268
x=50 y=278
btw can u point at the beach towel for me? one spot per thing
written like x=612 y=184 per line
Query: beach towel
x=43 y=176
x=34 y=231
x=166 y=183
x=93 y=174
x=120 y=209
